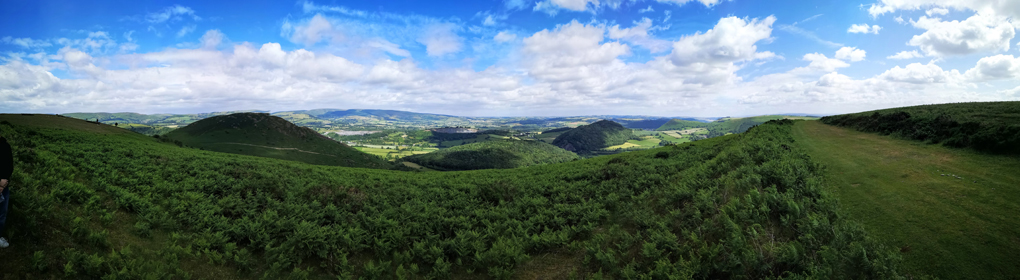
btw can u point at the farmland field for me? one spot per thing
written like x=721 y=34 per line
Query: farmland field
x=952 y=212
x=391 y=153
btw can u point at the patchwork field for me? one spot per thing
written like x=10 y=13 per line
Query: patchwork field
x=393 y=154
x=951 y=212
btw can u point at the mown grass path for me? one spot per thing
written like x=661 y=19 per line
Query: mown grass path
x=961 y=225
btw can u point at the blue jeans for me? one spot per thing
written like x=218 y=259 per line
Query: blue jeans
x=3 y=207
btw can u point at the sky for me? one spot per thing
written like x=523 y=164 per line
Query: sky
x=697 y=58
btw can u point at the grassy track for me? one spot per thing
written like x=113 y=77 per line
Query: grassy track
x=947 y=227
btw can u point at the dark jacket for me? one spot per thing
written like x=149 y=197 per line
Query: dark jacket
x=6 y=159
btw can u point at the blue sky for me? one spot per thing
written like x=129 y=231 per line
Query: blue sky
x=507 y=58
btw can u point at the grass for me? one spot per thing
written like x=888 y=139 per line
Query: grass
x=944 y=226
x=646 y=143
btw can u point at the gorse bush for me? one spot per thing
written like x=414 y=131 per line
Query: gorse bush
x=743 y=206
x=990 y=126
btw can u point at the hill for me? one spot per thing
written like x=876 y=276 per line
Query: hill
x=101 y=202
x=592 y=137
x=646 y=124
x=492 y=155
x=725 y=126
x=992 y=127
x=261 y=134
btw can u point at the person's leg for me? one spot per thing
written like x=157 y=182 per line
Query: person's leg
x=3 y=210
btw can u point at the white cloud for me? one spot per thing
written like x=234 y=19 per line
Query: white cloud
x=489 y=21
x=731 y=40
x=850 y=53
x=570 y=52
x=646 y=10
x=917 y=73
x=573 y=5
x=211 y=39
x=937 y=11
x=707 y=3
x=905 y=55
x=1005 y=8
x=504 y=36
x=638 y=35
x=979 y=33
x=317 y=29
x=899 y=19
x=441 y=39
x=185 y=30
x=998 y=67
x=821 y=63
x=864 y=28
x=27 y=43
x=172 y=13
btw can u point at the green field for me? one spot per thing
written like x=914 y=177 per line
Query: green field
x=393 y=154
x=908 y=194
x=646 y=143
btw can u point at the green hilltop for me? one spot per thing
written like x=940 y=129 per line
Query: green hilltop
x=592 y=137
x=264 y=135
x=492 y=155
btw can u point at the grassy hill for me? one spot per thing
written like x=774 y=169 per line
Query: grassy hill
x=493 y=154
x=951 y=212
x=592 y=137
x=992 y=127
x=725 y=125
x=94 y=201
x=264 y=135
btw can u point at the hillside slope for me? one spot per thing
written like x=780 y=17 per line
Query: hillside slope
x=952 y=212
x=264 y=135
x=592 y=137
x=492 y=155
x=992 y=127
x=94 y=205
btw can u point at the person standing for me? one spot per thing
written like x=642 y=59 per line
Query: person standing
x=6 y=169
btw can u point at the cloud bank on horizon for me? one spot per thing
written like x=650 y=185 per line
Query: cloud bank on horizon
x=515 y=57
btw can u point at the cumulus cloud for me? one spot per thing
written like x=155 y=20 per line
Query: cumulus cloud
x=917 y=73
x=978 y=33
x=850 y=53
x=638 y=35
x=864 y=28
x=570 y=51
x=504 y=36
x=821 y=63
x=905 y=55
x=441 y=39
x=732 y=39
x=998 y=67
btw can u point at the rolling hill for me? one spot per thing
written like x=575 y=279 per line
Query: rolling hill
x=495 y=154
x=725 y=126
x=261 y=134
x=96 y=201
x=592 y=137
